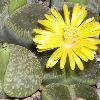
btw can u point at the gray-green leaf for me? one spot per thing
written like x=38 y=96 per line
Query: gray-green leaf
x=23 y=76
x=15 y=4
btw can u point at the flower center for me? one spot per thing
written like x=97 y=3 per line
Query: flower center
x=70 y=34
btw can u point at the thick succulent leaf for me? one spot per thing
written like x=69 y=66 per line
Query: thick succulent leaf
x=3 y=11
x=15 y=4
x=4 y=59
x=51 y=75
x=23 y=76
x=93 y=4
x=56 y=92
x=3 y=62
x=2 y=93
x=20 y=24
x=83 y=91
x=67 y=92
x=98 y=5
x=90 y=75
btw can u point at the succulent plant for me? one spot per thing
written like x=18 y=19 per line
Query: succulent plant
x=90 y=75
x=20 y=24
x=20 y=72
x=67 y=92
x=16 y=4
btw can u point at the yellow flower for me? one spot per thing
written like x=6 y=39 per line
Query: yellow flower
x=72 y=38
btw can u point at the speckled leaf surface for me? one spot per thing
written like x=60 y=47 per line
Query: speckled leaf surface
x=90 y=75
x=25 y=19
x=3 y=11
x=56 y=92
x=4 y=59
x=19 y=26
x=83 y=91
x=23 y=76
x=50 y=75
x=2 y=93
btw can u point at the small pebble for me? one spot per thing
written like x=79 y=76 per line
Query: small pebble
x=98 y=85
x=36 y=95
x=29 y=98
x=98 y=91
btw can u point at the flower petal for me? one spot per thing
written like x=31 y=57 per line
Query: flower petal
x=66 y=14
x=80 y=54
x=54 y=58
x=58 y=16
x=78 y=15
x=88 y=53
x=78 y=61
x=71 y=59
x=63 y=58
x=46 y=23
x=89 y=20
x=51 y=18
x=89 y=29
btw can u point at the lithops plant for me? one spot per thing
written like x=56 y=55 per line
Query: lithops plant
x=20 y=17
x=91 y=74
x=68 y=92
x=15 y=4
x=20 y=73
x=20 y=24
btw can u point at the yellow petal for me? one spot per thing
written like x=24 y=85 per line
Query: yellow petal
x=88 y=29
x=80 y=54
x=88 y=44
x=51 y=63
x=46 y=23
x=66 y=14
x=54 y=58
x=88 y=53
x=37 y=30
x=54 y=27
x=88 y=21
x=78 y=61
x=71 y=59
x=51 y=18
x=57 y=54
x=78 y=15
x=58 y=16
x=91 y=34
x=41 y=50
x=63 y=58
x=46 y=46
x=93 y=40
